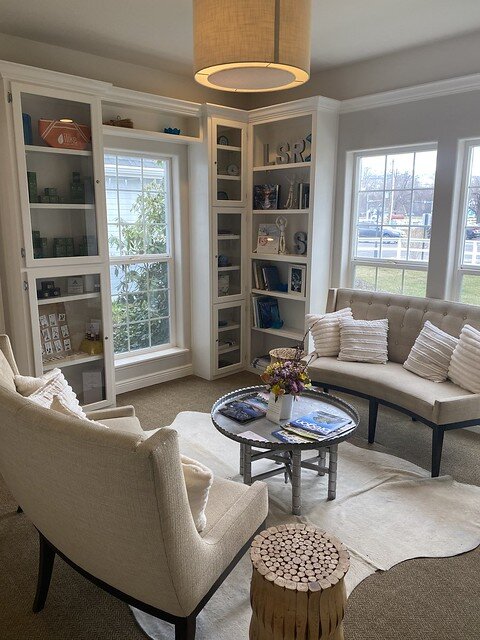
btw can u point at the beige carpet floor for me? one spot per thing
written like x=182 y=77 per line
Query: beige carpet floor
x=422 y=599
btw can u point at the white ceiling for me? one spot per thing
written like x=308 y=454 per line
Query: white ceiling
x=158 y=33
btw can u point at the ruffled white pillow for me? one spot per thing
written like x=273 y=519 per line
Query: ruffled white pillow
x=59 y=404
x=198 y=480
x=26 y=385
x=57 y=386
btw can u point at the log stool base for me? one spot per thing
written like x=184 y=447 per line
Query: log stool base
x=298 y=590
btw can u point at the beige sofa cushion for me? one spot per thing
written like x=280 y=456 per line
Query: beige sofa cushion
x=6 y=374
x=439 y=403
x=325 y=331
x=431 y=354
x=363 y=340
x=464 y=367
x=128 y=424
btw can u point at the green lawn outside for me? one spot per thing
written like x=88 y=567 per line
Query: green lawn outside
x=411 y=283
x=470 y=292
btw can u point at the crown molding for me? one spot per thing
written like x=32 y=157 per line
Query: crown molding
x=293 y=108
x=223 y=111
x=151 y=101
x=412 y=94
x=23 y=73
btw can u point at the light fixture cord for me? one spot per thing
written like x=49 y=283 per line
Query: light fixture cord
x=276 y=36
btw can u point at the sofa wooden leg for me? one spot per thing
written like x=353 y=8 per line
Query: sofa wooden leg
x=45 y=568
x=372 y=419
x=437 y=445
x=185 y=630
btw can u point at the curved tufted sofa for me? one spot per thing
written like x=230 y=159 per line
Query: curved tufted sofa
x=441 y=406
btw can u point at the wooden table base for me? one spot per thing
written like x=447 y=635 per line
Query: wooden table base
x=298 y=590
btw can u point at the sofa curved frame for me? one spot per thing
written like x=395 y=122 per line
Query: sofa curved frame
x=438 y=431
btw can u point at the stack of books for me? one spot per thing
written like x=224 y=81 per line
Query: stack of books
x=317 y=425
x=267 y=278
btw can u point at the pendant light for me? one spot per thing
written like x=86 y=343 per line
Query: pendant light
x=251 y=45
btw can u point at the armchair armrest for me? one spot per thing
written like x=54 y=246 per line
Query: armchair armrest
x=457 y=409
x=115 y=412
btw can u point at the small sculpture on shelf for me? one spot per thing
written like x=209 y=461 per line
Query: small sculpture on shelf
x=291 y=202
x=282 y=224
x=300 y=240
x=120 y=122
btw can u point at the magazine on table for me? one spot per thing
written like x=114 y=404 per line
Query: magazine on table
x=320 y=422
x=289 y=438
x=247 y=409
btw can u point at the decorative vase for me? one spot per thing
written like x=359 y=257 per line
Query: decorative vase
x=287 y=406
x=281 y=409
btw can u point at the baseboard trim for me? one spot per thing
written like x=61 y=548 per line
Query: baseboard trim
x=148 y=380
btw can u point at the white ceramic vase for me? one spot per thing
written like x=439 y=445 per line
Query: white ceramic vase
x=287 y=406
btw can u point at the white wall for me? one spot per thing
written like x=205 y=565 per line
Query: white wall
x=445 y=120
x=121 y=74
x=437 y=61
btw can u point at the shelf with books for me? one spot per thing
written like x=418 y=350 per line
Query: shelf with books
x=285 y=332
x=280 y=294
x=279 y=257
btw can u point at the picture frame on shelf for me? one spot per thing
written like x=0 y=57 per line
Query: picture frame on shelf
x=304 y=195
x=266 y=196
x=297 y=280
x=268 y=239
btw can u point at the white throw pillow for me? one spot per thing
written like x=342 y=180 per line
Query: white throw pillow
x=57 y=386
x=464 y=368
x=59 y=404
x=26 y=385
x=431 y=354
x=363 y=340
x=325 y=331
x=198 y=480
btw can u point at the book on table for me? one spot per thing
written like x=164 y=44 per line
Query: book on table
x=320 y=422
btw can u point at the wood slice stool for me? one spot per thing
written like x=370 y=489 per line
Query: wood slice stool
x=297 y=591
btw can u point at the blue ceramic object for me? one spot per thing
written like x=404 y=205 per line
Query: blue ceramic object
x=172 y=130
x=27 y=128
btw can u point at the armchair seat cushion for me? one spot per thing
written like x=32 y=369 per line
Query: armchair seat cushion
x=440 y=403
x=223 y=495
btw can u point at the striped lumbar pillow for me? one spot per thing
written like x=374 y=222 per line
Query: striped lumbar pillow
x=363 y=340
x=325 y=331
x=464 y=368
x=431 y=354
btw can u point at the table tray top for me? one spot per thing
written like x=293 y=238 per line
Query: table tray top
x=311 y=400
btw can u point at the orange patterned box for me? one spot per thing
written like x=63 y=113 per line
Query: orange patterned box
x=65 y=135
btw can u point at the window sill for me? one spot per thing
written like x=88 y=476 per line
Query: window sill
x=127 y=361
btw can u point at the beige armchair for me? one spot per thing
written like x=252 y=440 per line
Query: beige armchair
x=113 y=504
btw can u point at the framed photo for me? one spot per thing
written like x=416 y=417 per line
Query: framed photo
x=268 y=239
x=67 y=345
x=46 y=334
x=55 y=333
x=265 y=196
x=296 y=279
x=58 y=345
x=43 y=321
x=65 y=332
x=61 y=317
x=48 y=348
x=52 y=319
x=75 y=285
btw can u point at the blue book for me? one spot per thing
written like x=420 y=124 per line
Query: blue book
x=321 y=422
x=289 y=438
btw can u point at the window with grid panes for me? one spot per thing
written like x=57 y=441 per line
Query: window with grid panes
x=392 y=216
x=139 y=216
x=469 y=237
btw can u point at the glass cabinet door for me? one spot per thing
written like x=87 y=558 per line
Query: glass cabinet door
x=229 y=153
x=69 y=332
x=229 y=324
x=228 y=259
x=58 y=183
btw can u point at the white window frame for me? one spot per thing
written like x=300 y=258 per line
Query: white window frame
x=353 y=261
x=168 y=258
x=464 y=163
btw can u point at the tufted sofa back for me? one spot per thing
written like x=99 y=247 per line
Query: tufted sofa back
x=406 y=315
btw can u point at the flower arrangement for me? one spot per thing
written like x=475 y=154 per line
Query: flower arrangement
x=289 y=377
